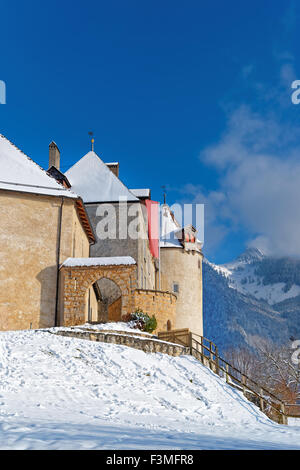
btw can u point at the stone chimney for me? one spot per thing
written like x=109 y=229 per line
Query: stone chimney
x=114 y=167
x=54 y=156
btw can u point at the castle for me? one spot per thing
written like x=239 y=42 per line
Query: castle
x=80 y=246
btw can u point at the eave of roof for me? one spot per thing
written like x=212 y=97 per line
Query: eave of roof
x=84 y=218
x=143 y=193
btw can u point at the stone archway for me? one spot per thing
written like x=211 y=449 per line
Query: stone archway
x=110 y=304
x=78 y=275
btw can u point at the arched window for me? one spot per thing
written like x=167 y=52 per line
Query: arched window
x=169 y=325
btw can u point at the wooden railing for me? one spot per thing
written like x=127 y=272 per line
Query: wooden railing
x=181 y=336
x=293 y=410
x=207 y=353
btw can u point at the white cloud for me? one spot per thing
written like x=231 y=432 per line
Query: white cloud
x=258 y=158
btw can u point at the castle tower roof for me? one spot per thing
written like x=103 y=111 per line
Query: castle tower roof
x=175 y=236
x=169 y=229
x=95 y=182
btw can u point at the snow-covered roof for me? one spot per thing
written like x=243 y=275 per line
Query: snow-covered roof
x=102 y=261
x=19 y=173
x=171 y=241
x=169 y=229
x=143 y=193
x=95 y=182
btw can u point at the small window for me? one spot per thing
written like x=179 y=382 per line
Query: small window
x=169 y=325
x=175 y=288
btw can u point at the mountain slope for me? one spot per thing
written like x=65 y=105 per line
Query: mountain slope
x=253 y=296
x=235 y=319
x=67 y=393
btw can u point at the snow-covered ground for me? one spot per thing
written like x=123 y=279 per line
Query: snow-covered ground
x=114 y=326
x=65 y=393
x=119 y=328
x=294 y=421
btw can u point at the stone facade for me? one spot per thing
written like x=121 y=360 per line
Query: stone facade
x=118 y=220
x=30 y=251
x=158 y=303
x=76 y=282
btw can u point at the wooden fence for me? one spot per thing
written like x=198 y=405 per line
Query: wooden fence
x=207 y=353
x=181 y=336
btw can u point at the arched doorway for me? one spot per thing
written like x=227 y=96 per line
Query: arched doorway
x=110 y=300
x=84 y=286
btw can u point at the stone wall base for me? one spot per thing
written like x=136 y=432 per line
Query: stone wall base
x=144 y=344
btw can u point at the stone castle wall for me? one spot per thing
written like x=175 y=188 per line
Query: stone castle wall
x=28 y=256
x=158 y=303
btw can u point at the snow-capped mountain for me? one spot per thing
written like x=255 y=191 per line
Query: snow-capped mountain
x=265 y=278
x=250 y=255
x=255 y=296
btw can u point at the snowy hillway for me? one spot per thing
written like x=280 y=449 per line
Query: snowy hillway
x=251 y=297
x=66 y=393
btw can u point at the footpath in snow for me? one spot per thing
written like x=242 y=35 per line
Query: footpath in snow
x=65 y=393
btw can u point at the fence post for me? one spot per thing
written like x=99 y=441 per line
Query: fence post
x=217 y=361
x=227 y=371
x=211 y=356
x=197 y=351
x=244 y=383
x=191 y=343
x=284 y=417
x=201 y=349
x=261 y=400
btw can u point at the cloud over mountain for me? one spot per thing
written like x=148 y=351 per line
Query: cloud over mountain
x=258 y=159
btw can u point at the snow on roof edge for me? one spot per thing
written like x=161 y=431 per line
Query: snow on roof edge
x=143 y=192
x=36 y=189
x=100 y=261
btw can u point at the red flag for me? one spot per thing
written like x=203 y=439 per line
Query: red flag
x=153 y=226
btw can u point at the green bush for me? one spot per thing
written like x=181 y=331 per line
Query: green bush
x=143 y=321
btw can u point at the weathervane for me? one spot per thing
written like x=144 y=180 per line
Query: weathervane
x=164 y=193
x=91 y=134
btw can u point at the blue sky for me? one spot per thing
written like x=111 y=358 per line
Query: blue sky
x=192 y=95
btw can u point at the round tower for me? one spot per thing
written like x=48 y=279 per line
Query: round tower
x=181 y=271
